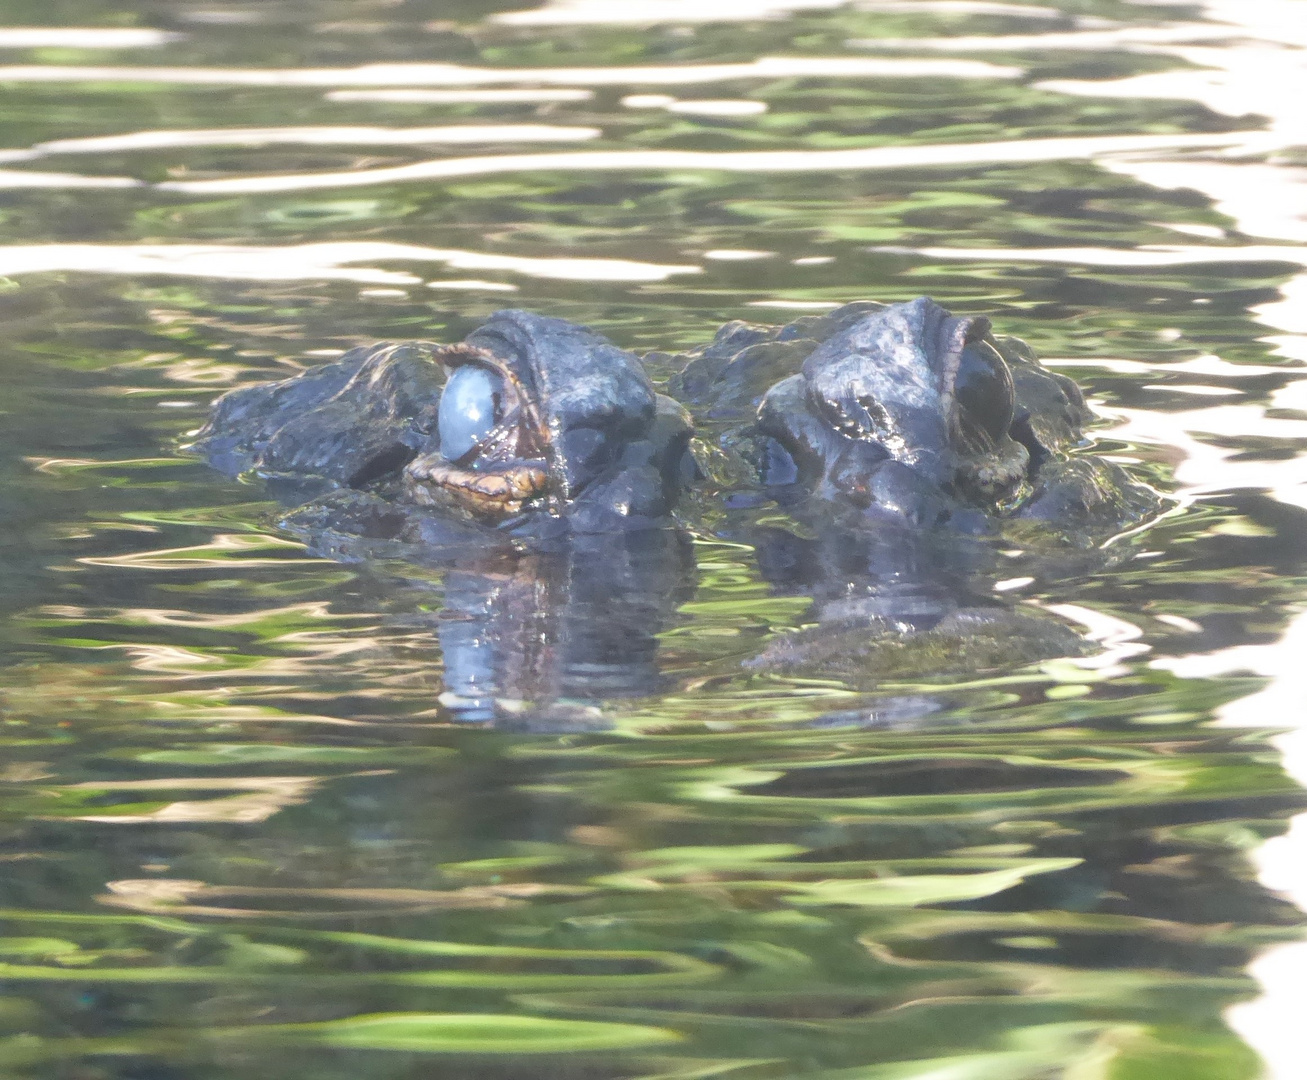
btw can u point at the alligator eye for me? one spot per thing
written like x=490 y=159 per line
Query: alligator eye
x=984 y=390
x=469 y=408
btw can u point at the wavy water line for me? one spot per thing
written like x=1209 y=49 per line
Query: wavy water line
x=20 y=178
x=261 y=797
x=437 y=74
x=748 y=161
x=325 y=261
x=1204 y=437
x=1263 y=75
x=84 y=37
x=1131 y=38
x=1146 y=255
x=653 y=12
x=1262 y=199
x=318 y=136
x=1262 y=79
x=959 y=7
x=523 y=95
x=716 y=107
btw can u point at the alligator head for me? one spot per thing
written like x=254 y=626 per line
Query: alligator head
x=907 y=414
x=530 y=420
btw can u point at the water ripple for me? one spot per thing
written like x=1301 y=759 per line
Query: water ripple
x=327 y=261
x=767 y=67
x=319 y=136
x=83 y=37
x=746 y=161
x=767 y=865
x=521 y=95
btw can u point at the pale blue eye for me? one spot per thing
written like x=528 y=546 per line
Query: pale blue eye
x=467 y=410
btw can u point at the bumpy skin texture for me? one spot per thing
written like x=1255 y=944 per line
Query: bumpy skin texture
x=346 y=422
x=899 y=439
x=901 y=442
x=556 y=577
x=908 y=415
x=581 y=443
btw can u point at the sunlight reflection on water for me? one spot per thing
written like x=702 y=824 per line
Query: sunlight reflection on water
x=319 y=136
x=767 y=67
x=800 y=161
x=85 y=37
x=327 y=261
x=1020 y=865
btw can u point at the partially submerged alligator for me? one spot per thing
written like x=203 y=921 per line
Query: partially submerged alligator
x=899 y=441
x=902 y=442
x=533 y=463
x=529 y=429
x=907 y=416
x=533 y=427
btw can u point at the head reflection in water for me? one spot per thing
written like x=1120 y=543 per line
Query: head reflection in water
x=535 y=641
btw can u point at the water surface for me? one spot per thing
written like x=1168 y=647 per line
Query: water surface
x=254 y=819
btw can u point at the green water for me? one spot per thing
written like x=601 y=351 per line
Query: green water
x=243 y=831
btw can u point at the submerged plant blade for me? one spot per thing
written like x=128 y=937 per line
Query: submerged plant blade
x=468 y=1033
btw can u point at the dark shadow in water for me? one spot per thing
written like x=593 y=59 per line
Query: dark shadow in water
x=890 y=605
x=529 y=642
x=926 y=776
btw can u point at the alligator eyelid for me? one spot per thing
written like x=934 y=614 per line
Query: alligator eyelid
x=502 y=430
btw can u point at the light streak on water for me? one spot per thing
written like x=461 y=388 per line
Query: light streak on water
x=767 y=67
x=83 y=37
x=318 y=136
x=744 y=161
x=522 y=95
x=324 y=262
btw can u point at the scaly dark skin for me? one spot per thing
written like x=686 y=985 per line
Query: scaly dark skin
x=561 y=432
x=907 y=416
x=901 y=415
x=887 y=461
x=548 y=516
x=901 y=439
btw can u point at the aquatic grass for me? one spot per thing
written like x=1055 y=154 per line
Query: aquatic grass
x=463 y=1033
x=1039 y=869
x=253 y=956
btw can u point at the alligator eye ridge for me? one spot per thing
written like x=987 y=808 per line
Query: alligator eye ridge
x=469 y=410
